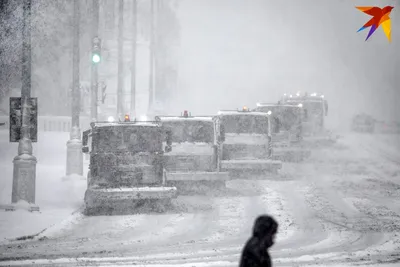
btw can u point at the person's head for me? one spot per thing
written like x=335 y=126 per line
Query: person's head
x=265 y=228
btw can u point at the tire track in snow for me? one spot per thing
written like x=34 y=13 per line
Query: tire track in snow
x=308 y=231
x=156 y=230
x=207 y=227
x=244 y=208
x=392 y=204
x=137 y=226
x=367 y=239
x=230 y=251
x=340 y=221
x=184 y=237
x=231 y=228
x=317 y=243
x=177 y=259
x=331 y=204
x=225 y=215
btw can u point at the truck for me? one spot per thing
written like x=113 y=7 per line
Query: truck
x=286 y=124
x=314 y=110
x=193 y=164
x=246 y=151
x=126 y=170
x=363 y=123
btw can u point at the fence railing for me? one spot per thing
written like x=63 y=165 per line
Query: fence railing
x=53 y=123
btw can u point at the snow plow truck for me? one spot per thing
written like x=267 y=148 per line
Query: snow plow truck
x=363 y=123
x=246 y=151
x=126 y=171
x=286 y=131
x=193 y=164
x=315 y=109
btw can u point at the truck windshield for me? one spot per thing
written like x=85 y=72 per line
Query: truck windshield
x=127 y=139
x=289 y=117
x=191 y=131
x=286 y=116
x=310 y=108
x=245 y=123
x=313 y=108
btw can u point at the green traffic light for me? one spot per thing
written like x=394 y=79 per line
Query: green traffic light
x=96 y=58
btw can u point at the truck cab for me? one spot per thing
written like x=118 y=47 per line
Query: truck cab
x=286 y=122
x=126 y=167
x=193 y=161
x=315 y=109
x=287 y=131
x=247 y=147
x=363 y=123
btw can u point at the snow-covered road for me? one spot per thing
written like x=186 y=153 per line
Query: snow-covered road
x=342 y=207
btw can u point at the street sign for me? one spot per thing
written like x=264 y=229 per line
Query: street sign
x=16 y=118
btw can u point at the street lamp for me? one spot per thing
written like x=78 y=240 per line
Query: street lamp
x=24 y=173
x=96 y=59
x=74 y=145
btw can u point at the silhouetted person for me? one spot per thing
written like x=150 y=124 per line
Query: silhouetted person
x=255 y=253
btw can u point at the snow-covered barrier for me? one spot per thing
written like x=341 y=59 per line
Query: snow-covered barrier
x=52 y=123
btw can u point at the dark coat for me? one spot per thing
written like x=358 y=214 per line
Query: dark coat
x=255 y=252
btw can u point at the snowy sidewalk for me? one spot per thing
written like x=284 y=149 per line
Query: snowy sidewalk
x=57 y=199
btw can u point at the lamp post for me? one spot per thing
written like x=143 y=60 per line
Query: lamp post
x=94 y=82
x=133 y=63
x=24 y=173
x=74 y=145
x=151 y=58
x=120 y=57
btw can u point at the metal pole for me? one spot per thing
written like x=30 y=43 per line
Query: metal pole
x=155 y=49
x=151 y=58
x=74 y=145
x=95 y=76
x=133 y=63
x=120 y=58
x=24 y=175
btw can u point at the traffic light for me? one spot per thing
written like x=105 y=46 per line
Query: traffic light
x=96 y=50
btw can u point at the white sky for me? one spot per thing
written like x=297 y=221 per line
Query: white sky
x=236 y=53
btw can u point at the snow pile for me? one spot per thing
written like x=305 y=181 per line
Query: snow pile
x=56 y=197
